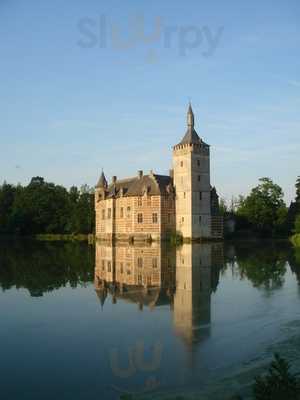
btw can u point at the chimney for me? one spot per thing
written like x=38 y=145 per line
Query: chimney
x=114 y=179
x=140 y=174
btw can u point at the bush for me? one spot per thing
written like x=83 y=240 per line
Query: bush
x=278 y=384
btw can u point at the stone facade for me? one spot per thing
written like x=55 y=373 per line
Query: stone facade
x=154 y=207
x=147 y=213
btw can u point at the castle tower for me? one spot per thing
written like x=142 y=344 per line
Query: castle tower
x=100 y=195
x=191 y=167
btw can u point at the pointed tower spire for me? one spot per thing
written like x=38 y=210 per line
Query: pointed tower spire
x=190 y=117
x=191 y=135
x=102 y=182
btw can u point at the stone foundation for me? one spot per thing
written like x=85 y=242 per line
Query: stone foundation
x=130 y=238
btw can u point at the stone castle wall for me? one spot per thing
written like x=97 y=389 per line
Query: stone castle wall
x=137 y=217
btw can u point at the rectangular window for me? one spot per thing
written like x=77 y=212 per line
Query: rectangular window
x=184 y=195
x=181 y=163
x=128 y=212
x=169 y=218
x=199 y=178
x=140 y=218
x=109 y=266
x=200 y=195
x=140 y=279
x=103 y=214
x=154 y=218
x=109 y=213
x=103 y=265
x=182 y=219
x=154 y=262
x=121 y=212
x=198 y=163
x=149 y=201
x=121 y=268
x=200 y=219
x=140 y=262
x=140 y=202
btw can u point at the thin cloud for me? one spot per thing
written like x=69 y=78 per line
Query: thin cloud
x=294 y=83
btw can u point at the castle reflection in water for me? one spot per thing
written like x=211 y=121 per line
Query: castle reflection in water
x=158 y=275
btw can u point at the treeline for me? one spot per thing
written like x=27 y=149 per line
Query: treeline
x=43 y=207
x=264 y=212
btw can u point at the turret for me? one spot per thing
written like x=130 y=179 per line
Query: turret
x=102 y=182
x=101 y=188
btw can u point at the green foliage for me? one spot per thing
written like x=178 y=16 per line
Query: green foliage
x=264 y=209
x=298 y=189
x=43 y=207
x=223 y=207
x=295 y=239
x=293 y=210
x=297 y=224
x=278 y=384
x=176 y=239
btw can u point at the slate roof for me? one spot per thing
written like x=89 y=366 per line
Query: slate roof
x=102 y=182
x=191 y=137
x=151 y=184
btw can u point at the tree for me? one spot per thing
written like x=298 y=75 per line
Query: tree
x=294 y=209
x=298 y=189
x=297 y=224
x=223 y=206
x=43 y=207
x=264 y=208
x=7 y=196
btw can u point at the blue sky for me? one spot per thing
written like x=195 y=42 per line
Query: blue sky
x=72 y=101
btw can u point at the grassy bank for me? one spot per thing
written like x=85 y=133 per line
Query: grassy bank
x=296 y=240
x=65 y=237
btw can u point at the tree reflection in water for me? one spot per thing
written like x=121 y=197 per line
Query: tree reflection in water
x=42 y=267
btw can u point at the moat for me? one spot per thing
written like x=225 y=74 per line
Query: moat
x=80 y=321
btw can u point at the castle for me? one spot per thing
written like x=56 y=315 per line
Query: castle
x=154 y=207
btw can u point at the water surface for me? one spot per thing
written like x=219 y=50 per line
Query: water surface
x=79 y=321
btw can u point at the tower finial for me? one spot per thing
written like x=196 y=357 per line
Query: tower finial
x=102 y=182
x=190 y=117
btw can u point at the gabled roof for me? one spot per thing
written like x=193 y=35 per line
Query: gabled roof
x=151 y=184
